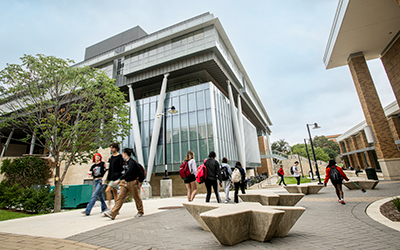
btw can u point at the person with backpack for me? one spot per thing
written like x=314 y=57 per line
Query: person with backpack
x=189 y=170
x=239 y=180
x=226 y=173
x=281 y=174
x=115 y=163
x=336 y=175
x=296 y=172
x=212 y=177
x=130 y=182
x=98 y=170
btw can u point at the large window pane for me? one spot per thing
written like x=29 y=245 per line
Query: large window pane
x=175 y=128
x=152 y=110
x=160 y=155
x=191 y=102
x=207 y=98
x=185 y=149
x=169 y=153
x=192 y=126
x=146 y=112
x=168 y=129
x=145 y=155
x=209 y=123
x=177 y=157
x=183 y=104
x=139 y=111
x=193 y=147
x=175 y=103
x=200 y=100
x=145 y=133
x=203 y=149
x=184 y=127
x=151 y=129
x=202 y=124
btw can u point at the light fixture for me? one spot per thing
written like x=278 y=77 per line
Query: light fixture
x=173 y=110
x=316 y=126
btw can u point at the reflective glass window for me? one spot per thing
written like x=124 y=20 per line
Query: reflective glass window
x=209 y=123
x=200 y=100
x=152 y=110
x=177 y=157
x=185 y=149
x=183 y=104
x=184 y=127
x=193 y=147
x=175 y=128
x=207 y=98
x=203 y=149
x=146 y=112
x=145 y=133
x=202 y=124
x=191 y=102
x=192 y=126
x=168 y=129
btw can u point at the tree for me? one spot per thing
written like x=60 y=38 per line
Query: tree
x=71 y=110
x=300 y=149
x=281 y=145
x=332 y=154
x=323 y=142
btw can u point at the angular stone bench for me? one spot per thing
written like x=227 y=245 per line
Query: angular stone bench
x=232 y=224
x=304 y=189
x=365 y=184
x=273 y=199
x=314 y=188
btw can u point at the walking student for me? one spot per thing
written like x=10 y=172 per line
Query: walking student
x=190 y=181
x=114 y=173
x=239 y=180
x=212 y=176
x=98 y=170
x=226 y=173
x=281 y=174
x=336 y=175
x=296 y=172
x=129 y=182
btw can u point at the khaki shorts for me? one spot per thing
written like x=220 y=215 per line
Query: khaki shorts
x=111 y=184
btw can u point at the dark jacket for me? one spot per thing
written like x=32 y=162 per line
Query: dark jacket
x=115 y=169
x=132 y=170
x=212 y=170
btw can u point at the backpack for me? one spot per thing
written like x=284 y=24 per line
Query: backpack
x=184 y=170
x=291 y=170
x=142 y=174
x=201 y=173
x=224 y=173
x=236 y=176
x=335 y=175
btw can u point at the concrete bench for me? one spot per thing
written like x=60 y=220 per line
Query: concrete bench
x=232 y=224
x=273 y=199
x=304 y=189
x=365 y=184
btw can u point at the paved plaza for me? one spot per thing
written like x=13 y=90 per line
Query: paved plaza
x=326 y=224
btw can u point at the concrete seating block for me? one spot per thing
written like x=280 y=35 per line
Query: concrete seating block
x=289 y=199
x=314 y=189
x=292 y=214
x=366 y=184
x=297 y=189
x=244 y=221
x=263 y=199
x=195 y=209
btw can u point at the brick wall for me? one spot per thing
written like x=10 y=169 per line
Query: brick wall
x=391 y=62
x=266 y=164
x=394 y=124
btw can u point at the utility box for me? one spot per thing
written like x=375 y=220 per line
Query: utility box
x=371 y=174
x=76 y=195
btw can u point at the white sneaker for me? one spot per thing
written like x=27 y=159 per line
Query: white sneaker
x=138 y=215
x=226 y=201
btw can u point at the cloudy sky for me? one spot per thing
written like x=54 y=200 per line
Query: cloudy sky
x=280 y=44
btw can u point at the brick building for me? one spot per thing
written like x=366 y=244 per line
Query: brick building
x=363 y=30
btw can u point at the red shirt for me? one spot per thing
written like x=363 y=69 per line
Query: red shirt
x=281 y=171
x=328 y=174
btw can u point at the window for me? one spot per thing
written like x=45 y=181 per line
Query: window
x=184 y=127
x=200 y=100
x=192 y=126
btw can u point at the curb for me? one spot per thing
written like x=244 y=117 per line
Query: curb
x=373 y=211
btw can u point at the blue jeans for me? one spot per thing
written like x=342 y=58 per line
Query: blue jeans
x=98 y=193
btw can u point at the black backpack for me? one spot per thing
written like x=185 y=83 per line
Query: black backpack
x=142 y=172
x=224 y=173
x=335 y=175
x=291 y=170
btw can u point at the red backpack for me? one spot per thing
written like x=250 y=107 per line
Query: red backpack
x=201 y=173
x=184 y=170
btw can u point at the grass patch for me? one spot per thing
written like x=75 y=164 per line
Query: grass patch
x=292 y=180
x=8 y=215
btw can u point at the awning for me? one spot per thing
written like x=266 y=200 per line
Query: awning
x=358 y=151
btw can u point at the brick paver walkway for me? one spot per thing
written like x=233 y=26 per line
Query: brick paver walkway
x=326 y=224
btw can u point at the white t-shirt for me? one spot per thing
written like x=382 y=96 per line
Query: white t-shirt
x=192 y=166
x=295 y=169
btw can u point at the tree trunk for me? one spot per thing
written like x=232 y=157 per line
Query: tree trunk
x=57 y=190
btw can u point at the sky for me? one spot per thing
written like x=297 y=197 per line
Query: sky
x=280 y=43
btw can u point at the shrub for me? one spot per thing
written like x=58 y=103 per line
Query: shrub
x=396 y=202
x=26 y=171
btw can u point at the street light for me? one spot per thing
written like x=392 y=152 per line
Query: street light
x=172 y=110
x=301 y=166
x=312 y=148
x=309 y=160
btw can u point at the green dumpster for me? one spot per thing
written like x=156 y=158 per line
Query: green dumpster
x=371 y=174
x=76 y=195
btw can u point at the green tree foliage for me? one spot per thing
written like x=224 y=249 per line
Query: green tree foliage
x=300 y=149
x=332 y=154
x=323 y=142
x=281 y=145
x=26 y=171
x=72 y=110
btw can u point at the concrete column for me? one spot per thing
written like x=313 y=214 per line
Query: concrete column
x=156 y=128
x=7 y=143
x=391 y=62
x=135 y=126
x=385 y=148
x=398 y=2
x=394 y=124
x=241 y=129
x=33 y=140
x=236 y=129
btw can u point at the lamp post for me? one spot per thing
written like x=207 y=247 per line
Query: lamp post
x=312 y=148
x=301 y=167
x=309 y=160
x=172 y=110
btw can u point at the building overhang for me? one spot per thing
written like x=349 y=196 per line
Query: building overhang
x=367 y=26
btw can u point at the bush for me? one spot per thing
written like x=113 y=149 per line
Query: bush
x=26 y=171
x=396 y=202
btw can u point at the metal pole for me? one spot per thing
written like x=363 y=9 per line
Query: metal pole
x=315 y=159
x=301 y=167
x=7 y=143
x=165 y=144
x=309 y=160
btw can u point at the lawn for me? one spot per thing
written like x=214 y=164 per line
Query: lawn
x=292 y=180
x=8 y=215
